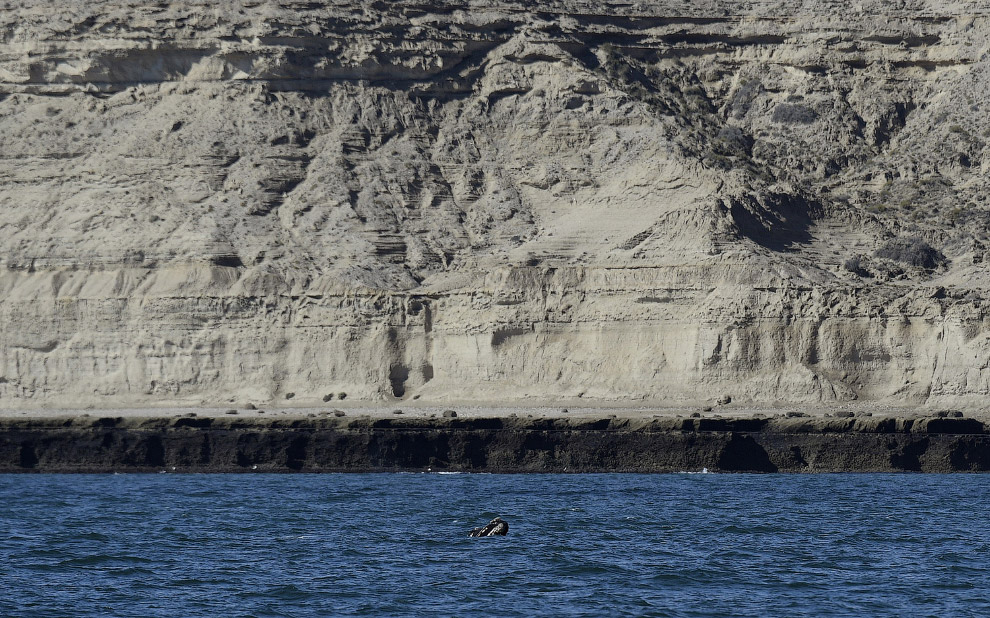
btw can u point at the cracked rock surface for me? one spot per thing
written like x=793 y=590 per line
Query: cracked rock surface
x=501 y=201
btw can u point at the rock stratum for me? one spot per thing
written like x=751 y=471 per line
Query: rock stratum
x=503 y=201
x=118 y=444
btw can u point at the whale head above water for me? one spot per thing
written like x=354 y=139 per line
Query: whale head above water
x=496 y=527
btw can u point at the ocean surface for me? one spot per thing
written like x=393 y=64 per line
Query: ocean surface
x=578 y=545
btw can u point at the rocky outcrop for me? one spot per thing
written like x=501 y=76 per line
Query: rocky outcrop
x=493 y=445
x=521 y=200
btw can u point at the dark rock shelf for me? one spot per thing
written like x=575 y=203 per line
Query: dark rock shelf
x=509 y=445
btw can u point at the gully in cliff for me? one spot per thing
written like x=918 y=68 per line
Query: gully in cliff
x=496 y=527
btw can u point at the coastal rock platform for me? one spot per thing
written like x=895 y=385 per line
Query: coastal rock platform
x=323 y=441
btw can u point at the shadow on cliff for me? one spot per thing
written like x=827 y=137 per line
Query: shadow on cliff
x=776 y=221
x=743 y=454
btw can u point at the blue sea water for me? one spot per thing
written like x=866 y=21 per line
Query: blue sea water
x=578 y=545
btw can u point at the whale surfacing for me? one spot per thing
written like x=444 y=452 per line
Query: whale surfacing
x=496 y=527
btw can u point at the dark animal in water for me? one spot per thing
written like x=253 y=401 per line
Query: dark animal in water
x=496 y=527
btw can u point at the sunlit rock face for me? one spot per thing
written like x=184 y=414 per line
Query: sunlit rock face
x=511 y=201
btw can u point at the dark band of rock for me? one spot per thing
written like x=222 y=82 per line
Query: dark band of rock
x=330 y=444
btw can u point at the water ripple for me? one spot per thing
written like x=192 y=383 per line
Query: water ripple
x=581 y=545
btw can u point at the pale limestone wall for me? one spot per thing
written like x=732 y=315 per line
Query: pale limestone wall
x=500 y=201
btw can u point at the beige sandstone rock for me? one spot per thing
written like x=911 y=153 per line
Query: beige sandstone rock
x=506 y=201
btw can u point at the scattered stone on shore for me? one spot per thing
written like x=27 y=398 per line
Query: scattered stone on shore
x=339 y=413
x=564 y=411
x=396 y=411
x=698 y=414
x=290 y=395
x=190 y=414
x=342 y=396
x=449 y=414
x=706 y=409
x=844 y=414
x=231 y=411
x=261 y=411
x=724 y=400
x=328 y=397
x=249 y=406
x=796 y=414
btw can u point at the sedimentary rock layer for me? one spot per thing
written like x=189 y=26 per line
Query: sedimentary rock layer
x=493 y=445
x=504 y=200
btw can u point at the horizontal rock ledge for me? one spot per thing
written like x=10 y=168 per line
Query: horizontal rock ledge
x=510 y=445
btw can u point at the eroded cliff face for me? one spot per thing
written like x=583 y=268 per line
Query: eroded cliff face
x=494 y=445
x=493 y=201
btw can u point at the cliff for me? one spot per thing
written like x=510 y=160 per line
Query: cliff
x=511 y=201
x=329 y=444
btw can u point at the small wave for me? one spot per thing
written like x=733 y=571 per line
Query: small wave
x=186 y=582
x=92 y=536
x=131 y=571
x=100 y=559
x=287 y=592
